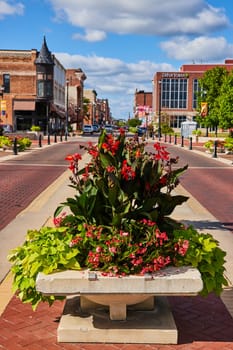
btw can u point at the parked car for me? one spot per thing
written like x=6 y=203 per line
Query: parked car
x=96 y=127
x=141 y=130
x=108 y=128
x=88 y=129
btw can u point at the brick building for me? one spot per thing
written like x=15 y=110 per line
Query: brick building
x=175 y=93
x=35 y=89
x=74 y=97
x=98 y=111
x=143 y=106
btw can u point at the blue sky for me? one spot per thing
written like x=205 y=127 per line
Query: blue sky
x=121 y=44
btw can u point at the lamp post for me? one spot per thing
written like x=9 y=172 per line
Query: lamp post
x=159 y=128
x=47 y=118
x=67 y=109
x=2 y=88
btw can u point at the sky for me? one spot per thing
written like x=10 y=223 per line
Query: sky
x=120 y=45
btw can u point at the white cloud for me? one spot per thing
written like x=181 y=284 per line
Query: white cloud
x=136 y=17
x=199 y=49
x=115 y=79
x=8 y=9
x=90 y=35
x=187 y=29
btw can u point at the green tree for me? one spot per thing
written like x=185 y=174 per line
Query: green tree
x=134 y=122
x=86 y=102
x=225 y=102
x=210 y=90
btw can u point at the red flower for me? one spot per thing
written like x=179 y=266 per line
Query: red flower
x=127 y=172
x=69 y=158
x=86 y=174
x=163 y=180
x=182 y=246
x=93 y=152
x=111 y=145
x=110 y=169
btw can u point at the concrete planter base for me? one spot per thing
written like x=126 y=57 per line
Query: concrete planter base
x=130 y=309
x=140 y=327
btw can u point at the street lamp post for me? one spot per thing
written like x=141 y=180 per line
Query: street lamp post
x=159 y=128
x=2 y=88
x=67 y=109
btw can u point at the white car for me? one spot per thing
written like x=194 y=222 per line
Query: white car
x=88 y=129
x=108 y=128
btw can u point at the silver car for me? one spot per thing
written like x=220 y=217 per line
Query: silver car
x=88 y=129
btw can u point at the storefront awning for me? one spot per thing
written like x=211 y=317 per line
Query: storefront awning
x=24 y=105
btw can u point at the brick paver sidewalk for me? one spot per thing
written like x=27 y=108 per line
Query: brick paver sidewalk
x=203 y=323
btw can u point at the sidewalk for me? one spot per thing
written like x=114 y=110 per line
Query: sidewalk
x=203 y=323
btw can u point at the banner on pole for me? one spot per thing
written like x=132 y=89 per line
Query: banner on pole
x=204 y=109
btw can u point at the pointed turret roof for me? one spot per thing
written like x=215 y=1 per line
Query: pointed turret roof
x=45 y=56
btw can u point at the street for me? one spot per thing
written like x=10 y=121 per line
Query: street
x=24 y=178
x=210 y=182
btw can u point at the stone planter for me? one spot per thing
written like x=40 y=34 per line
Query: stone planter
x=130 y=309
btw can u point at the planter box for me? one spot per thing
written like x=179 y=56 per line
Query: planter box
x=131 y=309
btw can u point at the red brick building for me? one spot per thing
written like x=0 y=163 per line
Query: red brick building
x=174 y=93
x=98 y=110
x=74 y=97
x=34 y=90
x=143 y=106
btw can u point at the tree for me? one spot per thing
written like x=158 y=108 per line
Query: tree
x=210 y=90
x=134 y=122
x=86 y=103
x=225 y=102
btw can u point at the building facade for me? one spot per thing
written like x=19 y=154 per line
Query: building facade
x=143 y=106
x=35 y=89
x=74 y=97
x=175 y=93
x=97 y=110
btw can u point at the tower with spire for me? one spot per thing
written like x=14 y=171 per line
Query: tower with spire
x=44 y=73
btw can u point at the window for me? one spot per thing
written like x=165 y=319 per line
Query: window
x=176 y=120
x=6 y=83
x=174 y=93
x=44 y=89
x=44 y=85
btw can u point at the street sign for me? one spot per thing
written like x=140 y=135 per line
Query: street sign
x=3 y=107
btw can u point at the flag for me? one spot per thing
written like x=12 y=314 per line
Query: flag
x=204 y=109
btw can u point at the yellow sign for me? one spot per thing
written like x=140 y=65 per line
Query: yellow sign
x=3 y=108
x=3 y=105
x=204 y=109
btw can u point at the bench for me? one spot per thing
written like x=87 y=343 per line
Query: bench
x=129 y=309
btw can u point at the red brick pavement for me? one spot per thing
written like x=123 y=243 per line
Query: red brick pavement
x=203 y=324
x=25 y=192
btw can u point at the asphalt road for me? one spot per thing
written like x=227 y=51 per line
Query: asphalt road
x=23 y=178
